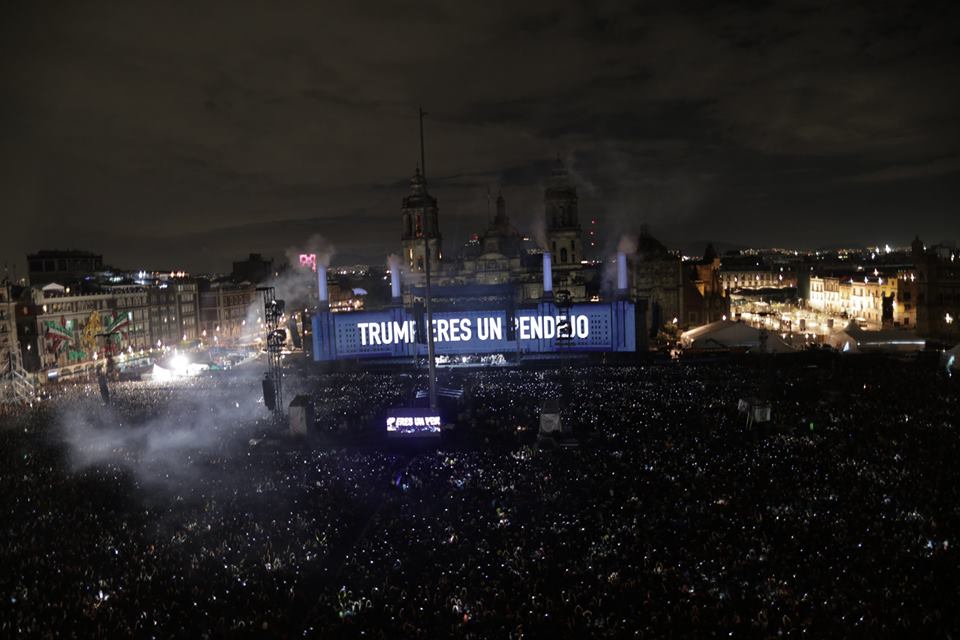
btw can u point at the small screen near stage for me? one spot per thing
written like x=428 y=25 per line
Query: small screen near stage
x=412 y=423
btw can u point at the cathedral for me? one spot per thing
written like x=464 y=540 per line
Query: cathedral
x=499 y=264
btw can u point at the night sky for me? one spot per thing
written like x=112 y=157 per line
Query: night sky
x=188 y=134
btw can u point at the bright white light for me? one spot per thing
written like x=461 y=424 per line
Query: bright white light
x=160 y=374
x=179 y=363
x=948 y=318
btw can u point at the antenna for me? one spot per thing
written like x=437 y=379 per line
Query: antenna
x=489 y=215
x=431 y=354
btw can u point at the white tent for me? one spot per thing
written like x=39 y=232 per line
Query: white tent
x=727 y=334
x=54 y=288
x=774 y=344
x=853 y=339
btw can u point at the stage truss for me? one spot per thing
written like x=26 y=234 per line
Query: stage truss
x=275 y=339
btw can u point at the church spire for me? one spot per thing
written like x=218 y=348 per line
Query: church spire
x=501 y=220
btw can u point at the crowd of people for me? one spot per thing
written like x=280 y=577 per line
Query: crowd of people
x=178 y=510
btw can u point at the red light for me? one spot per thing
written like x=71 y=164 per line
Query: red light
x=308 y=260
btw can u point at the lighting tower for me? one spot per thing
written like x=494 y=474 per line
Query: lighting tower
x=276 y=337
x=15 y=388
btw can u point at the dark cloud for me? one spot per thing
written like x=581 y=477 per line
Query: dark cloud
x=193 y=133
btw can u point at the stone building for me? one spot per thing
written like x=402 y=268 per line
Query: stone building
x=499 y=257
x=59 y=328
x=174 y=312
x=500 y=266
x=223 y=310
x=420 y=219
x=15 y=388
x=658 y=280
x=496 y=256
x=704 y=297
x=561 y=208
x=936 y=286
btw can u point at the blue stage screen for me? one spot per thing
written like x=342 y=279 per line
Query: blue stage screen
x=545 y=328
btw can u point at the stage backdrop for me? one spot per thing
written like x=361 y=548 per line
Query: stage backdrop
x=545 y=328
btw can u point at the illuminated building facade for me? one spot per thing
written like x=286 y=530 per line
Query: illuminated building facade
x=174 y=313
x=870 y=300
x=420 y=217
x=907 y=295
x=500 y=267
x=59 y=328
x=345 y=298
x=223 y=310
x=704 y=298
x=14 y=386
x=563 y=223
x=754 y=272
x=499 y=257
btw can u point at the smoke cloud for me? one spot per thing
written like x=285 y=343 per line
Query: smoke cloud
x=165 y=443
x=295 y=283
x=538 y=230
x=627 y=244
x=394 y=262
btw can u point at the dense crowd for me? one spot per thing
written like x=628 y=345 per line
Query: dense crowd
x=176 y=511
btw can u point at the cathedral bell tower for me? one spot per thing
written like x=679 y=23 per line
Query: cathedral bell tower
x=563 y=226
x=419 y=214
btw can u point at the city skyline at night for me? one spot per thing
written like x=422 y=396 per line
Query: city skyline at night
x=519 y=320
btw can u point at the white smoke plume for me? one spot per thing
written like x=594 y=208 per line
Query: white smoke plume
x=538 y=230
x=293 y=282
x=394 y=262
x=165 y=443
x=627 y=244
